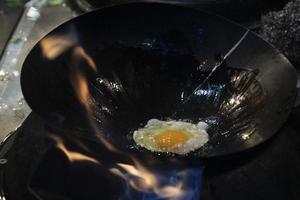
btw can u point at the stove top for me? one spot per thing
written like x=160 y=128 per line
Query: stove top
x=33 y=168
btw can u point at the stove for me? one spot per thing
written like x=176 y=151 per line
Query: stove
x=33 y=167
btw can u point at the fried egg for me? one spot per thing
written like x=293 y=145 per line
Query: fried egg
x=177 y=137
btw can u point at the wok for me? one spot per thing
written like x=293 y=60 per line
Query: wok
x=148 y=60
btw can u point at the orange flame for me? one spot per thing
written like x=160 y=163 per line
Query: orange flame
x=79 y=81
x=53 y=46
x=145 y=180
x=137 y=176
x=79 y=54
x=82 y=91
x=81 y=87
x=72 y=155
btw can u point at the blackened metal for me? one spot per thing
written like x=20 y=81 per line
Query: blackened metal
x=146 y=65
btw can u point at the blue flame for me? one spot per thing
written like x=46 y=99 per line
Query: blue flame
x=190 y=179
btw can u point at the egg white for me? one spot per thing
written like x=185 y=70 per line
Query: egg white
x=197 y=135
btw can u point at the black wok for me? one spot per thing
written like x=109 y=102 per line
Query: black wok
x=152 y=61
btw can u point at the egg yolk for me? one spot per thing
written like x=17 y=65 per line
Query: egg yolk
x=170 y=138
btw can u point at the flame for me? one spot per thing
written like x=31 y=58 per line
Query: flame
x=81 y=87
x=82 y=91
x=55 y=45
x=143 y=180
x=137 y=176
x=79 y=54
x=79 y=81
x=72 y=155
